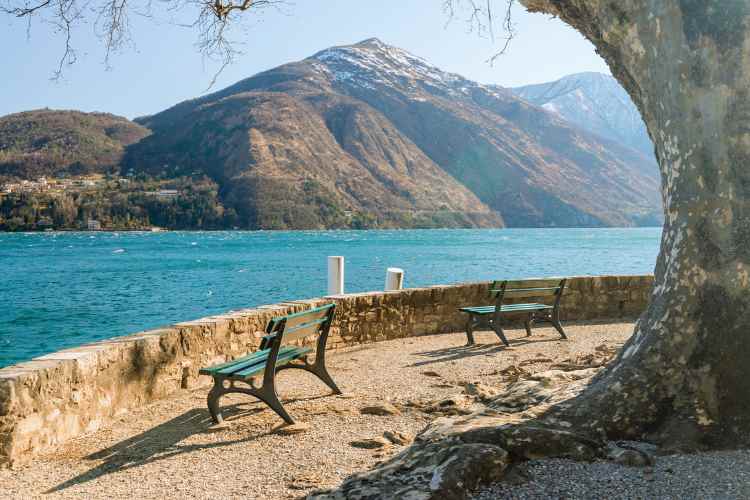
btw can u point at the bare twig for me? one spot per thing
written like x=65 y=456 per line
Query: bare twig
x=508 y=28
x=213 y=19
x=25 y=11
x=480 y=19
x=115 y=26
x=66 y=15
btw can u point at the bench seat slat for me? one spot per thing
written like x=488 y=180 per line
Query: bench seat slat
x=281 y=360
x=510 y=307
x=260 y=357
x=523 y=294
x=230 y=367
x=528 y=292
x=249 y=357
x=261 y=360
x=533 y=283
x=307 y=317
x=536 y=289
x=293 y=320
x=303 y=330
x=507 y=308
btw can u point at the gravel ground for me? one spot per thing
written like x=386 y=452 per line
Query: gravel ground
x=716 y=475
x=169 y=449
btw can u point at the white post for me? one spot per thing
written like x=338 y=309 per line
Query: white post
x=394 y=279
x=335 y=275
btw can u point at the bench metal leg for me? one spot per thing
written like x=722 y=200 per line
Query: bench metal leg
x=213 y=402
x=559 y=328
x=317 y=369
x=554 y=318
x=500 y=333
x=322 y=373
x=267 y=394
x=470 y=331
x=527 y=324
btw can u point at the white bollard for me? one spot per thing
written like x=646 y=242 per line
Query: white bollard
x=394 y=279
x=335 y=275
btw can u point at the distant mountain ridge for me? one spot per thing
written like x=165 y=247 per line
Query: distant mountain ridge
x=376 y=127
x=595 y=102
x=368 y=135
x=49 y=142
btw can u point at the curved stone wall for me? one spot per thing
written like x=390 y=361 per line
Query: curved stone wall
x=47 y=400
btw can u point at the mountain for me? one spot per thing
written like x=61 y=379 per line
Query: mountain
x=371 y=131
x=595 y=102
x=47 y=142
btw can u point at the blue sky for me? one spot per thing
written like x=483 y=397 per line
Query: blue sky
x=164 y=67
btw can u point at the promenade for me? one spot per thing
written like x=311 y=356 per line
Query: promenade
x=169 y=449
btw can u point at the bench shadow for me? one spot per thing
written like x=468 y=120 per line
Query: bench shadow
x=163 y=441
x=448 y=354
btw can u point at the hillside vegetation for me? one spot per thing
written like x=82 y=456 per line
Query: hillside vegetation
x=359 y=136
x=51 y=143
x=371 y=129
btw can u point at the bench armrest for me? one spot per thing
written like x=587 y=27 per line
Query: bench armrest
x=265 y=341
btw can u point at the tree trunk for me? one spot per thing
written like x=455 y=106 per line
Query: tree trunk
x=683 y=379
x=684 y=376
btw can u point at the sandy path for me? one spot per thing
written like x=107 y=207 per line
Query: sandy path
x=169 y=450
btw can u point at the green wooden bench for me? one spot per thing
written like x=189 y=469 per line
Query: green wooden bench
x=275 y=354
x=490 y=316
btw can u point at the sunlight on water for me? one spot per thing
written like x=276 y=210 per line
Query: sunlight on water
x=64 y=289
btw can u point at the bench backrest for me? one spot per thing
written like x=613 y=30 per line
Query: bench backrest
x=303 y=324
x=537 y=288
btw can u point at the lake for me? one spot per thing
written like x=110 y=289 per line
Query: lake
x=63 y=289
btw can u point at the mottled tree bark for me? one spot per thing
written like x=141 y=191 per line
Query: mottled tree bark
x=684 y=376
x=683 y=379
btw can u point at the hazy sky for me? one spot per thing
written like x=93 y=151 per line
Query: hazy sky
x=164 y=67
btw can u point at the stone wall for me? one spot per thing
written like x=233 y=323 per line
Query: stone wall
x=52 y=398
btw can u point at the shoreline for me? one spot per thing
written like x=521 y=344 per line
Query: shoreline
x=111 y=231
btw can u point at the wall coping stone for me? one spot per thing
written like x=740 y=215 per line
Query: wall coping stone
x=79 y=389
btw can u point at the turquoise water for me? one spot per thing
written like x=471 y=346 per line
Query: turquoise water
x=63 y=289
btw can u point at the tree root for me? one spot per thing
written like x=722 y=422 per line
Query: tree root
x=553 y=414
x=454 y=456
x=450 y=467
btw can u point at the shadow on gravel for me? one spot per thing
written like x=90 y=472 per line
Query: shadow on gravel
x=448 y=354
x=163 y=441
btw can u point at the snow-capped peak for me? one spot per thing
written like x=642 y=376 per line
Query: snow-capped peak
x=595 y=102
x=372 y=62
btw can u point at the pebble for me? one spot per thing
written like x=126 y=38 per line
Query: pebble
x=219 y=427
x=399 y=438
x=371 y=443
x=384 y=409
x=289 y=430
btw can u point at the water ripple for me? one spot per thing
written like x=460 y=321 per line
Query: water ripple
x=62 y=289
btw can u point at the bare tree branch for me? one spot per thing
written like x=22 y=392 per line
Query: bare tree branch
x=115 y=26
x=25 y=11
x=508 y=28
x=480 y=19
x=67 y=14
x=213 y=20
